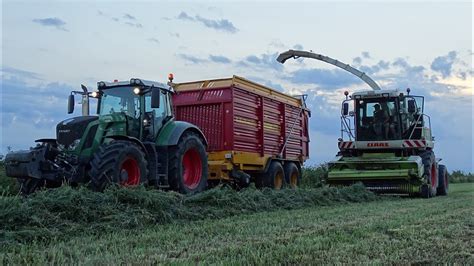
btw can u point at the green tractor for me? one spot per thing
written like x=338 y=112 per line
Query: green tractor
x=133 y=140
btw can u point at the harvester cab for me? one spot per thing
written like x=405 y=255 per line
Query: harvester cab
x=134 y=139
x=384 y=115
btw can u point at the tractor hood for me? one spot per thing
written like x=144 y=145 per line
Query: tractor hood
x=70 y=131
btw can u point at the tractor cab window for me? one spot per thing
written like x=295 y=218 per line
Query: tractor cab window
x=157 y=115
x=377 y=119
x=120 y=100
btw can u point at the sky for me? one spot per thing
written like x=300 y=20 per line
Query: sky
x=51 y=47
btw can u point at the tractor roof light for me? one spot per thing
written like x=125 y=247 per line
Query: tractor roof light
x=135 y=82
x=136 y=90
x=94 y=94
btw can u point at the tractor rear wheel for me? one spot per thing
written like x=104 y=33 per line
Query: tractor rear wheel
x=443 y=182
x=292 y=174
x=274 y=177
x=188 y=167
x=119 y=162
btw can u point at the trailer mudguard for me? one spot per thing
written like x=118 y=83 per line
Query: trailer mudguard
x=173 y=130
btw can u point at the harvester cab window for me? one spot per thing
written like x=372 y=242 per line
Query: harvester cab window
x=377 y=120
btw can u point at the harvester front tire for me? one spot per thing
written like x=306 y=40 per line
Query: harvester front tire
x=275 y=176
x=425 y=191
x=188 y=167
x=443 y=182
x=118 y=162
x=292 y=175
x=428 y=159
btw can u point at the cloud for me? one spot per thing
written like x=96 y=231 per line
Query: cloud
x=154 y=40
x=220 y=24
x=129 y=17
x=23 y=74
x=298 y=47
x=192 y=59
x=366 y=55
x=357 y=60
x=174 y=34
x=51 y=22
x=444 y=64
x=324 y=78
x=219 y=59
x=263 y=61
x=136 y=25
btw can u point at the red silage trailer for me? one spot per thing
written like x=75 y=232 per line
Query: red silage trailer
x=254 y=133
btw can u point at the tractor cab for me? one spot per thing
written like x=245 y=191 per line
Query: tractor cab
x=143 y=106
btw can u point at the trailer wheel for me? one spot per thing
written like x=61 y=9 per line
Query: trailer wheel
x=274 y=177
x=443 y=182
x=292 y=174
x=188 y=167
x=428 y=159
x=119 y=162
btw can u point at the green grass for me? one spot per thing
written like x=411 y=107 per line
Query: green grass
x=394 y=230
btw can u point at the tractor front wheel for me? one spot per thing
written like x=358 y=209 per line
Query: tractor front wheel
x=119 y=162
x=30 y=185
x=188 y=165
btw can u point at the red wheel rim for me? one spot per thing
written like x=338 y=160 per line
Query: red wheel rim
x=192 y=168
x=130 y=166
x=433 y=175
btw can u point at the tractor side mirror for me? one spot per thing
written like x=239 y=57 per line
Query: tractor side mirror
x=155 y=98
x=411 y=106
x=70 y=104
x=345 y=109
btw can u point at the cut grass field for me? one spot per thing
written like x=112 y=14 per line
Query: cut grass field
x=391 y=230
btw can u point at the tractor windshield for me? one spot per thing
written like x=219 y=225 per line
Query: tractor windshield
x=377 y=119
x=120 y=100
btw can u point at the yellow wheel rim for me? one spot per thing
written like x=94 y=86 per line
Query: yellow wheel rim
x=294 y=180
x=278 y=182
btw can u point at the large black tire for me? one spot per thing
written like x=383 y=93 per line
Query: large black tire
x=292 y=174
x=443 y=180
x=118 y=162
x=430 y=176
x=188 y=169
x=274 y=177
x=30 y=185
